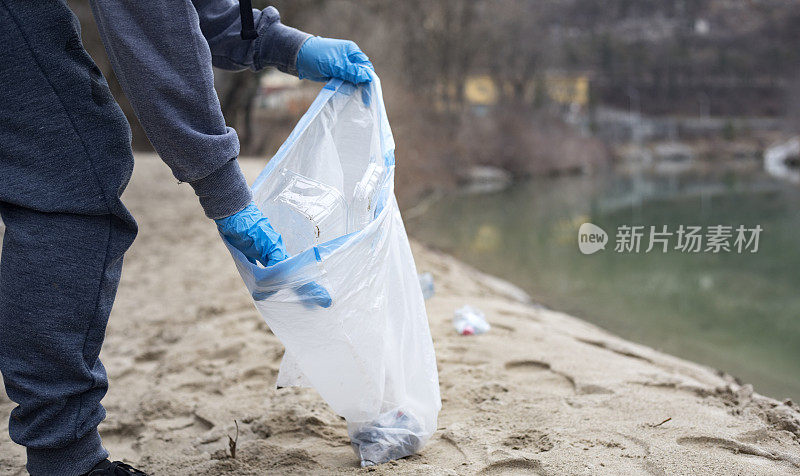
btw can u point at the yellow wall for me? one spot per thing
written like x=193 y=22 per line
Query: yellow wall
x=568 y=89
x=563 y=89
x=480 y=91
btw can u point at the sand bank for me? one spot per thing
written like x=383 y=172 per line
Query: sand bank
x=542 y=393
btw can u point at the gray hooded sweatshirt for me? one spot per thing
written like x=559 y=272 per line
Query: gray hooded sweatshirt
x=162 y=53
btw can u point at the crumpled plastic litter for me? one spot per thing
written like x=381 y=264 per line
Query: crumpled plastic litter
x=469 y=321
x=426 y=284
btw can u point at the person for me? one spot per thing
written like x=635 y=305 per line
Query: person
x=65 y=159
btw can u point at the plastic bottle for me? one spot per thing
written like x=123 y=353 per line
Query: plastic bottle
x=469 y=320
x=362 y=207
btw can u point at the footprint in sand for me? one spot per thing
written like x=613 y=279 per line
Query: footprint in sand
x=541 y=376
x=260 y=373
x=122 y=438
x=514 y=466
x=533 y=440
x=459 y=349
x=447 y=447
x=710 y=442
x=151 y=355
x=225 y=352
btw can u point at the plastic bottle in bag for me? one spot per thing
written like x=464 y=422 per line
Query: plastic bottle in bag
x=362 y=207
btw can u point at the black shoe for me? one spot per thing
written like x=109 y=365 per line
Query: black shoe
x=117 y=468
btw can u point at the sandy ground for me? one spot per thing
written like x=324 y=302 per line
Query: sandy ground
x=542 y=393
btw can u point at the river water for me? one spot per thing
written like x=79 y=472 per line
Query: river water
x=738 y=312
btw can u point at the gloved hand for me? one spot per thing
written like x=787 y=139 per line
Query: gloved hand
x=321 y=59
x=311 y=295
x=249 y=231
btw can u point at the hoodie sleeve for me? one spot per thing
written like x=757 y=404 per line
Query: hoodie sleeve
x=163 y=62
x=277 y=44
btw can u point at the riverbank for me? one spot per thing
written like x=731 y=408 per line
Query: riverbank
x=541 y=393
x=728 y=310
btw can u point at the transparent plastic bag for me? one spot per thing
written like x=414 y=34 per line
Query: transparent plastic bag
x=329 y=191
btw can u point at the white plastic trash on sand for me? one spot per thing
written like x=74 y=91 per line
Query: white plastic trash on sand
x=347 y=304
x=470 y=320
x=426 y=284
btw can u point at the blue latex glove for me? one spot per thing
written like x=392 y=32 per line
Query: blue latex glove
x=249 y=231
x=311 y=295
x=321 y=59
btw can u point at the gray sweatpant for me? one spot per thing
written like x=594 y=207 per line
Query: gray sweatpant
x=65 y=159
